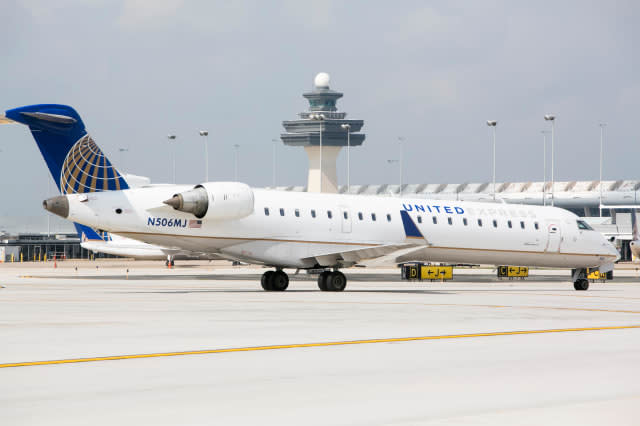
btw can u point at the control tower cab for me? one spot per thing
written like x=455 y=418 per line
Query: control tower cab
x=322 y=131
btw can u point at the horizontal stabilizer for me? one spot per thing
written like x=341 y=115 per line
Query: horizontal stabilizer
x=52 y=118
x=5 y=120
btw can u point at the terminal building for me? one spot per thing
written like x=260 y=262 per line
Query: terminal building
x=34 y=247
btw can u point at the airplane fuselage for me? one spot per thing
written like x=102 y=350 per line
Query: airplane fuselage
x=305 y=230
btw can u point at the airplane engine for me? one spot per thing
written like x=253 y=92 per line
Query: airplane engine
x=215 y=201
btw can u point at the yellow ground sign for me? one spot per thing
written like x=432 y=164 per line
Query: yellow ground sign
x=428 y=272
x=513 y=271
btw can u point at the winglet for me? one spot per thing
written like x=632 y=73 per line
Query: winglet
x=410 y=228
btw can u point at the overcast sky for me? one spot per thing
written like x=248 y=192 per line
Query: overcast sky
x=432 y=72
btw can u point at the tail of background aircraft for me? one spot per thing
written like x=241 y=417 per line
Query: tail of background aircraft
x=74 y=160
x=89 y=234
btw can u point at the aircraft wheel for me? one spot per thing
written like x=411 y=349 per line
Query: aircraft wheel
x=266 y=280
x=336 y=281
x=322 y=280
x=172 y=263
x=279 y=281
x=581 y=284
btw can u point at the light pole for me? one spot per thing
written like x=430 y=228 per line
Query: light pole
x=493 y=123
x=173 y=156
x=347 y=127
x=401 y=142
x=275 y=142
x=552 y=119
x=205 y=133
x=237 y=154
x=399 y=162
x=122 y=151
x=319 y=117
x=544 y=167
x=602 y=126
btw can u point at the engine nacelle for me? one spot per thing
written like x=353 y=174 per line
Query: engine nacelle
x=215 y=201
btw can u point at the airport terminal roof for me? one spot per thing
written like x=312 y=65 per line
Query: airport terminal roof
x=570 y=194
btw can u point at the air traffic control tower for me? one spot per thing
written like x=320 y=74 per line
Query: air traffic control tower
x=322 y=131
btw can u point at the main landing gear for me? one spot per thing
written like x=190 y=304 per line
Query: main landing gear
x=332 y=281
x=169 y=262
x=277 y=280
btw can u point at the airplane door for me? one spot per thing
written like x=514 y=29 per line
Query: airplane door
x=346 y=220
x=554 y=237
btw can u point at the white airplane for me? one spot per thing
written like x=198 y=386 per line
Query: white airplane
x=303 y=230
x=109 y=243
x=634 y=245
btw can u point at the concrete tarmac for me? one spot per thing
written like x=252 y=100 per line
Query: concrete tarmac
x=203 y=344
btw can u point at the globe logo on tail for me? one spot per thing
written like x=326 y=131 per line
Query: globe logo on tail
x=87 y=169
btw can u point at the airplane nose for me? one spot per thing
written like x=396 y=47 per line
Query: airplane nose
x=614 y=251
x=57 y=205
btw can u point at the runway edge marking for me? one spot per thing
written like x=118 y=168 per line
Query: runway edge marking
x=313 y=345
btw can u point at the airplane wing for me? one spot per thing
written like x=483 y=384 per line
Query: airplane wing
x=353 y=256
x=414 y=240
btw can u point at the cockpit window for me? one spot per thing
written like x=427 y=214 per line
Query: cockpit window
x=584 y=225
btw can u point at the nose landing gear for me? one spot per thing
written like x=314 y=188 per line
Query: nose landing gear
x=580 y=281
x=581 y=284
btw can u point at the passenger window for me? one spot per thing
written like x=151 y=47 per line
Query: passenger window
x=388 y=218
x=435 y=220
x=536 y=225
x=266 y=211
x=313 y=213
x=479 y=222
x=464 y=221
x=419 y=219
x=373 y=217
x=346 y=215
x=281 y=212
x=509 y=224
x=360 y=215
x=522 y=224
x=297 y=212
x=329 y=214
x=495 y=223
x=450 y=220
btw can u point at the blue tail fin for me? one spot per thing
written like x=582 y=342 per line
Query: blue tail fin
x=74 y=160
x=89 y=234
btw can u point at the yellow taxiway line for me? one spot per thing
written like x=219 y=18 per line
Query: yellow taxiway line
x=311 y=345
